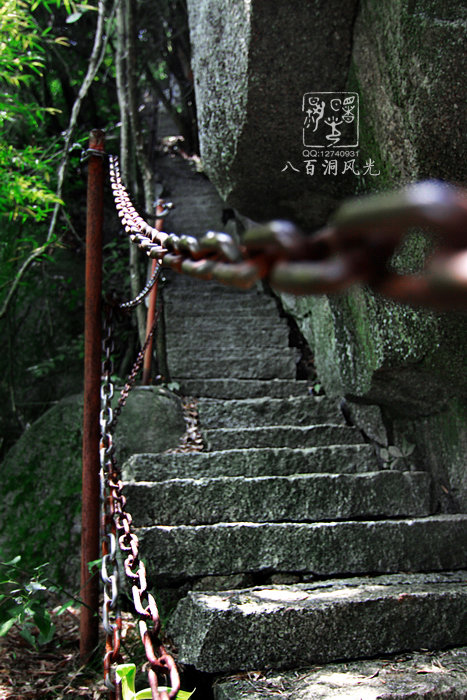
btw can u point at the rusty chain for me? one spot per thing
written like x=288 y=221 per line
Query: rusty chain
x=111 y=617
x=144 y=292
x=116 y=526
x=356 y=247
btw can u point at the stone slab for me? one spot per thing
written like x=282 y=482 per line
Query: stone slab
x=244 y=323
x=197 y=205
x=281 y=436
x=225 y=337
x=178 y=286
x=298 y=498
x=275 y=365
x=195 y=306
x=222 y=388
x=303 y=410
x=325 y=549
x=440 y=675
x=303 y=624
x=253 y=462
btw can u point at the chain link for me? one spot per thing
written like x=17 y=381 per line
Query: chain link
x=117 y=527
x=356 y=247
x=111 y=616
x=135 y=369
x=144 y=292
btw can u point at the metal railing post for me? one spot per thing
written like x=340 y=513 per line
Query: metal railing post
x=146 y=378
x=89 y=594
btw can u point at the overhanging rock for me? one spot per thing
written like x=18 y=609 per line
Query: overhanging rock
x=253 y=62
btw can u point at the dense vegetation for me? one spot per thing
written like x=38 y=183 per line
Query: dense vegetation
x=65 y=68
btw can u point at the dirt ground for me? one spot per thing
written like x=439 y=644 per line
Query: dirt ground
x=54 y=670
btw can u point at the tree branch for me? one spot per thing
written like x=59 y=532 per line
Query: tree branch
x=95 y=60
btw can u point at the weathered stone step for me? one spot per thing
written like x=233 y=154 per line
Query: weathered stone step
x=281 y=436
x=218 y=292
x=273 y=499
x=267 y=461
x=200 y=337
x=300 y=410
x=328 y=548
x=222 y=388
x=278 y=364
x=208 y=360
x=300 y=625
x=184 y=285
x=213 y=309
x=439 y=675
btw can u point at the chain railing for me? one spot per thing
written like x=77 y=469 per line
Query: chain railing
x=356 y=247
x=117 y=528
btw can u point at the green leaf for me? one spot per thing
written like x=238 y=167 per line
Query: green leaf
x=64 y=607
x=34 y=586
x=127 y=673
x=44 y=624
x=11 y=562
x=96 y=564
x=147 y=695
x=6 y=626
x=394 y=451
x=74 y=17
x=26 y=634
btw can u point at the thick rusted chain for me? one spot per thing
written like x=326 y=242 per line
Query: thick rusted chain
x=111 y=617
x=117 y=527
x=356 y=247
x=127 y=305
x=135 y=369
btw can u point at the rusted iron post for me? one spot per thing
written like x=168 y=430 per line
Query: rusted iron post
x=146 y=379
x=89 y=622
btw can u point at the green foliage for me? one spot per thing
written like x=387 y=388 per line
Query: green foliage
x=127 y=673
x=65 y=354
x=27 y=170
x=23 y=602
x=24 y=177
x=394 y=457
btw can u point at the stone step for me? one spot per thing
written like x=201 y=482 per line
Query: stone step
x=277 y=365
x=440 y=675
x=211 y=356
x=281 y=436
x=216 y=292
x=222 y=388
x=300 y=625
x=222 y=338
x=300 y=410
x=269 y=461
x=184 y=285
x=324 y=549
x=273 y=499
x=216 y=309
x=211 y=329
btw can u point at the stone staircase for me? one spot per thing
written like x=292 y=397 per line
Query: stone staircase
x=293 y=546
x=225 y=343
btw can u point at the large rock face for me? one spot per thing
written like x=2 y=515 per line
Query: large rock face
x=40 y=516
x=406 y=60
x=253 y=62
x=409 y=66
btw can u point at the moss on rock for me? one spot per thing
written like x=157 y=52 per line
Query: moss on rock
x=41 y=476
